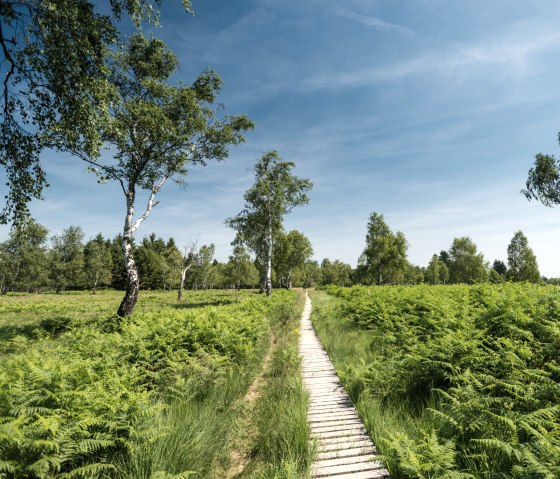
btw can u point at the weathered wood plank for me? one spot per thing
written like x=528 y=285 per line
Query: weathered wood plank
x=345 y=449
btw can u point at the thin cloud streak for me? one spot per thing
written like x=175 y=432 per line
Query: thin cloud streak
x=374 y=22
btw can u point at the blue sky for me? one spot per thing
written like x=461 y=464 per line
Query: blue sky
x=428 y=111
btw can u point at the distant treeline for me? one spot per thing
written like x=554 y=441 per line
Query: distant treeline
x=31 y=261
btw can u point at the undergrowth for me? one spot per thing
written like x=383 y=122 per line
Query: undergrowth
x=452 y=381
x=153 y=399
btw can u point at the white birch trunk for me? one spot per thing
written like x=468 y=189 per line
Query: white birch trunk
x=268 y=278
x=133 y=280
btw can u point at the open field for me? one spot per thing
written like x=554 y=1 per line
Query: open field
x=451 y=381
x=158 y=395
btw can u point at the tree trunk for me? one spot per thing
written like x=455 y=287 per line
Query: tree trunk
x=268 y=278
x=181 y=284
x=133 y=280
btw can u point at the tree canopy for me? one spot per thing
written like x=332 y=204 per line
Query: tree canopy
x=384 y=256
x=56 y=84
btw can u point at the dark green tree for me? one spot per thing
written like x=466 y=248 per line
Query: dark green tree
x=500 y=267
x=274 y=194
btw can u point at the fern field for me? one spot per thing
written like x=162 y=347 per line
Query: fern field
x=452 y=381
x=151 y=397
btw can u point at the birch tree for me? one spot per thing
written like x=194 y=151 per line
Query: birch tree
x=187 y=262
x=384 y=254
x=157 y=130
x=291 y=251
x=522 y=261
x=53 y=76
x=274 y=194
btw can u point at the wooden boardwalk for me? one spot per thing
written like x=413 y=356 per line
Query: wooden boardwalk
x=345 y=449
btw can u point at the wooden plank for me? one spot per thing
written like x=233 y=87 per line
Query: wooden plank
x=337 y=446
x=346 y=468
x=375 y=474
x=345 y=449
x=350 y=452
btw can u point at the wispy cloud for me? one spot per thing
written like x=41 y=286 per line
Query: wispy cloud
x=512 y=53
x=373 y=22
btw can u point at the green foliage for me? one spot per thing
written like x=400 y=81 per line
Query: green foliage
x=475 y=367
x=543 y=182
x=274 y=194
x=522 y=261
x=385 y=254
x=466 y=264
x=55 y=85
x=91 y=400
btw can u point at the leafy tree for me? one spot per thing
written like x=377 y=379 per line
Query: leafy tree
x=157 y=131
x=543 y=182
x=522 y=261
x=437 y=272
x=23 y=258
x=466 y=265
x=98 y=263
x=275 y=193
x=432 y=273
x=67 y=259
x=413 y=274
x=444 y=257
x=336 y=272
x=385 y=253
x=185 y=263
x=53 y=60
x=204 y=264
x=291 y=251
x=241 y=271
x=308 y=274
x=443 y=273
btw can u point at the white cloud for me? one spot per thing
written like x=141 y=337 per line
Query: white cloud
x=512 y=53
x=373 y=22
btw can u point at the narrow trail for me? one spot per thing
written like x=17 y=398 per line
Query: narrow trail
x=345 y=449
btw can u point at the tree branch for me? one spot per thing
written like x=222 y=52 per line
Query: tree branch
x=150 y=204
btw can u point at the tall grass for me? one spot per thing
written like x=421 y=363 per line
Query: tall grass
x=283 y=448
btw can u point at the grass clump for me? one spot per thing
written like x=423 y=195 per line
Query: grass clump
x=282 y=446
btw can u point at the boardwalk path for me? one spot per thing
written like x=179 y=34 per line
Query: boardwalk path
x=345 y=449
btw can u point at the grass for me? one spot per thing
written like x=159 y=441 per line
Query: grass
x=162 y=397
x=279 y=445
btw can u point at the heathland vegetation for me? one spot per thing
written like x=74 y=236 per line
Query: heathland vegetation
x=451 y=381
x=454 y=365
x=158 y=395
